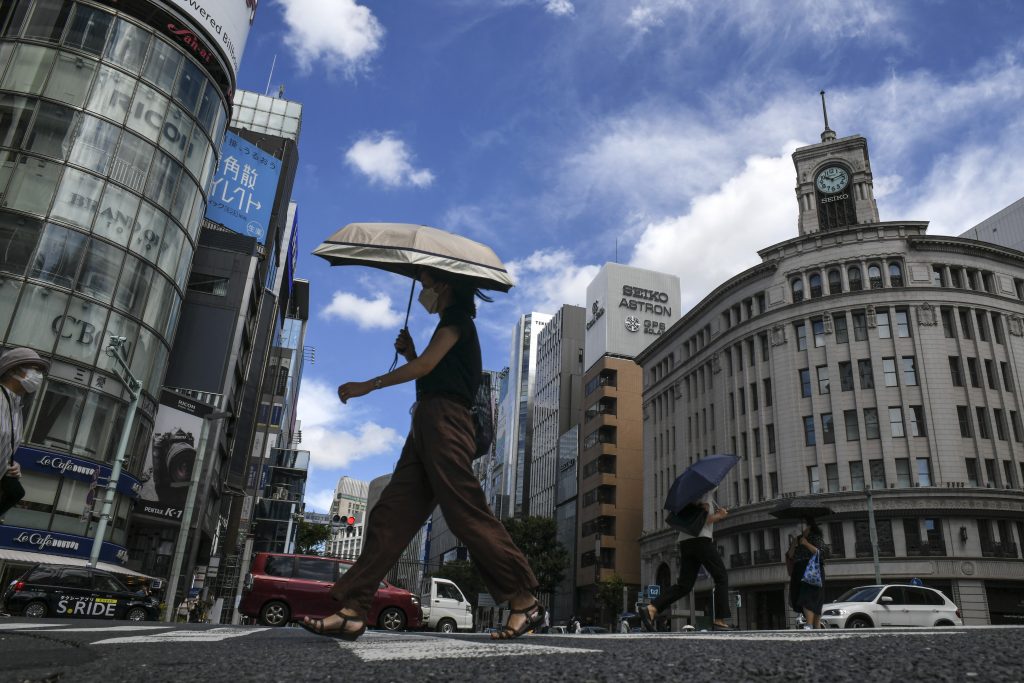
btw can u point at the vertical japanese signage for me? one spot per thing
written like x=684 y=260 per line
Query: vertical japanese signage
x=243 y=189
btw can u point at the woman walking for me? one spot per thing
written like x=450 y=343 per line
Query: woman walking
x=806 y=598
x=435 y=469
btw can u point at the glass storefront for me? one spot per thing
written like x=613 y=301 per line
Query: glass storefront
x=109 y=134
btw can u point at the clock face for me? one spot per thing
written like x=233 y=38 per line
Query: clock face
x=832 y=179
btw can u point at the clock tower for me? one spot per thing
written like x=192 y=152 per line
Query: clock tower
x=834 y=185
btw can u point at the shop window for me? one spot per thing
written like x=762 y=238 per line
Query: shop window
x=32 y=185
x=48 y=20
x=111 y=94
x=77 y=198
x=58 y=415
x=127 y=46
x=88 y=29
x=18 y=237
x=15 y=116
x=835 y=281
x=72 y=75
x=853 y=275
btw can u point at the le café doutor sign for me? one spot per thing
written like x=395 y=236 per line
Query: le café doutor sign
x=639 y=300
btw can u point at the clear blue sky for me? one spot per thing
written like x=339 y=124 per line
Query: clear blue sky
x=552 y=129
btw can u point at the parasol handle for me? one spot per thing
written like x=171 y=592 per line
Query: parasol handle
x=408 y=309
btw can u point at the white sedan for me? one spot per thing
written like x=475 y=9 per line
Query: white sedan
x=891 y=605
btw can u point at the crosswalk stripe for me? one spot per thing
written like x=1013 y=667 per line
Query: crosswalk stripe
x=20 y=627
x=212 y=635
x=376 y=649
x=105 y=629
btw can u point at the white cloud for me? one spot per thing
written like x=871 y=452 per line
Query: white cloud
x=559 y=8
x=366 y=313
x=762 y=23
x=546 y=279
x=385 y=159
x=720 y=235
x=333 y=433
x=341 y=34
x=319 y=501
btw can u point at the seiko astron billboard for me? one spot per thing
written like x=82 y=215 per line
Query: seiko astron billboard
x=627 y=309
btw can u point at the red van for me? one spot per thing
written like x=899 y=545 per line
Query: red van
x=282 y=588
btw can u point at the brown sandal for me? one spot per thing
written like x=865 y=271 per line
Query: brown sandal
x=317 y=626
x=534 y=618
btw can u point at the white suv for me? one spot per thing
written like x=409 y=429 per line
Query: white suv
x=891 y=605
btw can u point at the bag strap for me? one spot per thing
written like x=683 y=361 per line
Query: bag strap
x=10 y=412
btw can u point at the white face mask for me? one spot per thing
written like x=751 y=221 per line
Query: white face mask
x=428 y=298
x=31 y=380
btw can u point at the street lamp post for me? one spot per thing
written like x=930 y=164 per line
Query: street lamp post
x=186 y=518
x=873 y=533
x=117 y=351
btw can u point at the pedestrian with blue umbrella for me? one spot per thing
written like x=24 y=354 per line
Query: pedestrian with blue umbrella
x=693 y=511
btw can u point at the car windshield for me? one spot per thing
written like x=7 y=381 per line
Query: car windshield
x=862 y=594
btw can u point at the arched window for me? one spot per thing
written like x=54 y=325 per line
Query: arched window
x=815 y=281
x=875 y=276
x=798 y=290
x=835 y=281
x=853 y=277
x=895 y=275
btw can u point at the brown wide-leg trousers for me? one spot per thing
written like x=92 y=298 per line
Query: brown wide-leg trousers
x=434 y=469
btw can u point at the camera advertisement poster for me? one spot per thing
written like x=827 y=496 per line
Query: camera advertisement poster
x=171 y=458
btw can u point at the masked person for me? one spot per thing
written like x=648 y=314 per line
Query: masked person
x=435 y=468
x=21 y=373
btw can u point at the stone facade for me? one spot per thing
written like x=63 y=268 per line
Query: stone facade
x=869 y=356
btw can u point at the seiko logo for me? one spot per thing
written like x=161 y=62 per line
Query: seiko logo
x=834 y=198
x=43 y=542
x=640 y=300
x=62 y=466
x=598 y=312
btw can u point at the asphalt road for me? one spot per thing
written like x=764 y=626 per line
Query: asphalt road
x=81 y=650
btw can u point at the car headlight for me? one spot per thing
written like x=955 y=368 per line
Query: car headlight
x=415 y=600
x=834 y=612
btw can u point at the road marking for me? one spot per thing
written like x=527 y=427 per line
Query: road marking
x=377 y=649
x=781 y=636
x=19 y=627
x=212 y=635
x=90 y=629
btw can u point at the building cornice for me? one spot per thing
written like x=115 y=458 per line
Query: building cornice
x=967 y=247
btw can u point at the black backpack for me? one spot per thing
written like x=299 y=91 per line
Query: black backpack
x=483 y=420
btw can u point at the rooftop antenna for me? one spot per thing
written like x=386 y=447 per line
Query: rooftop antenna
x=271 y=76
x=827 y=135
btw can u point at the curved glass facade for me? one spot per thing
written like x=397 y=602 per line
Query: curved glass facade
x=108 y=139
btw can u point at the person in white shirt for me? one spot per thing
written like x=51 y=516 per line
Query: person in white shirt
x=695 y=551
x=21 y=373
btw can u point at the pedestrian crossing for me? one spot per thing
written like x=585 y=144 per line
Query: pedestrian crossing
x=378 y=647
x=138 y=633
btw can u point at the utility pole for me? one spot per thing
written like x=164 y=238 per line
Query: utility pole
x=873 y=531
x=117 y=351
x=186 y=519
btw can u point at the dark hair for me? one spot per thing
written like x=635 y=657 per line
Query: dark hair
x=464 y=291
x=812 y=524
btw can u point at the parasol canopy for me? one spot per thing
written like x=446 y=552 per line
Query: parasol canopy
x=405 y=248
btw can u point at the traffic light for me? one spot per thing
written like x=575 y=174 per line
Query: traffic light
x=350 y=528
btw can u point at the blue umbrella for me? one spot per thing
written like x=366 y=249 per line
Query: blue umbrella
x=698 y=479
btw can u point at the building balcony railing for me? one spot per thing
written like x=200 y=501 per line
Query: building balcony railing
x=991 y=549
x=767 y=556
x=926 y=550
x=739 y=560
x=885 y=549
x=289 y=459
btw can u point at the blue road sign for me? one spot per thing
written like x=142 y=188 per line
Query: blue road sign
x=654 y=591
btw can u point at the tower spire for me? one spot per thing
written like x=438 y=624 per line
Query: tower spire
x=827 y=135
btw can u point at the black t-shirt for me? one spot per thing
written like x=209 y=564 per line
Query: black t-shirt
x=458 y=372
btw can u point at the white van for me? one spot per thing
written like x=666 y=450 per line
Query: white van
x=445 y=608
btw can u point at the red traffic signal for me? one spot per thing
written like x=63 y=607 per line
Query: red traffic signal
x=351 y=521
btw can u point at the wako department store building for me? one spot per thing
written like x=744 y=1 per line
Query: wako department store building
x=110 y=122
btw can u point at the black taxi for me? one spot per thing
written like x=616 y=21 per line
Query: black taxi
x=48 y=590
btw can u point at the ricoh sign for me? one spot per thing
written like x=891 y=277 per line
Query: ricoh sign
x=225 y=22
x=628 y=309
